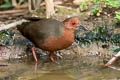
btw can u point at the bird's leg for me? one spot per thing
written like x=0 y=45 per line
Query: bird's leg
x=51 y=57
x=35 y=68
x=34 y=54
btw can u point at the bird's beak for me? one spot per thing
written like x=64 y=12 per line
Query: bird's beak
x=82 y=27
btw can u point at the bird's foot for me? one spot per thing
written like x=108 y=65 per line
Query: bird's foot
x=58 y=55
x=52 y=59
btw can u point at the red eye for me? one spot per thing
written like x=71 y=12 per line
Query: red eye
x=73 y=23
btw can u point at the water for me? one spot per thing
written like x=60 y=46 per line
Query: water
x=83 y=68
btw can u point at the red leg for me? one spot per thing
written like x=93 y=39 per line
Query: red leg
x=51 y=57
x=35 y=69
x=34 y=54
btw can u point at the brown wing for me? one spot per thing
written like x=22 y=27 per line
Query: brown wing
x=39 y=31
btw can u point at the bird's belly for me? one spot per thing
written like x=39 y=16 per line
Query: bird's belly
x=53 y=44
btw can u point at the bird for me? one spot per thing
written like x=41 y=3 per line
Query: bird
x=50 y=34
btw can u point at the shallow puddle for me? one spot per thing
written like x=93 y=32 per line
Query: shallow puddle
x=85 y=68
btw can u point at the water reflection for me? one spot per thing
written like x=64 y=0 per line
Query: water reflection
x=83 y=68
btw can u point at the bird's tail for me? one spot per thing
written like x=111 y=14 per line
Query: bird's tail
x=22 y=26
x=28 y=19
x=33 y=18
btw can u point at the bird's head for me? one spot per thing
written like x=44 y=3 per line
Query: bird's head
x=73 y=23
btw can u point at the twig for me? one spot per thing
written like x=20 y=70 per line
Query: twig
x=34 y=3
x=112 y=67
x=56 y=3
x=58 y=6
x=24 y=6
x=38 y=4
x=14 y=2
x=113 y=60
x=29 y=5
x=20 y=1
x=12 y=11
x=14 y=24
x=3 y=65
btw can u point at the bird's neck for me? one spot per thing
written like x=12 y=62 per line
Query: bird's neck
x=69 y=31
x=69 y=34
